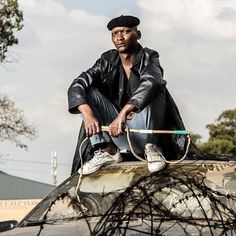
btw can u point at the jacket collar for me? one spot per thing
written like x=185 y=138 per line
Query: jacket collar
x=113 y=56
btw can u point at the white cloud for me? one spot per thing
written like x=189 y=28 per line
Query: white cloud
x=207 y=18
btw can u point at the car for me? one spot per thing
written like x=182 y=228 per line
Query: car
x=194 y=197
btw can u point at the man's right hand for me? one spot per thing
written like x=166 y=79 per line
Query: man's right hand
x=91 y=123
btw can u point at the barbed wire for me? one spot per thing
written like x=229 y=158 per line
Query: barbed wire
x=176 y=201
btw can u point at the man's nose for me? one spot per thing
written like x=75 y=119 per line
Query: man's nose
x=120 y=36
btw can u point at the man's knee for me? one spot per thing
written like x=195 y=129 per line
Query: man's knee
x=95 y=97
x=92 y=92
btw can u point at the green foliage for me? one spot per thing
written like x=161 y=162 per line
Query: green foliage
x=11 y=19
x=225 y=126
x=222 y=135
x=219 y=146
x=13 y=124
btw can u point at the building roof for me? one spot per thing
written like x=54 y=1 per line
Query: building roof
x=13 y=187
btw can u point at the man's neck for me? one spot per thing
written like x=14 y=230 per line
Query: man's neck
x=128 y=57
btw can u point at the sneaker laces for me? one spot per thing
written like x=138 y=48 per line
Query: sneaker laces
x=153 y=148
x=98 y=152
x=96 y=158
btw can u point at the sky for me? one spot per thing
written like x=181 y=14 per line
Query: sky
x=60 y=39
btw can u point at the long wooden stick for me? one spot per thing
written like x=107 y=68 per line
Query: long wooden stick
x=150 y=131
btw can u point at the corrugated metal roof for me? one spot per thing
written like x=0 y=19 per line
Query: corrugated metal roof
x=13 y=187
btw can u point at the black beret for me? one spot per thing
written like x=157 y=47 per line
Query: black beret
x=127 y=21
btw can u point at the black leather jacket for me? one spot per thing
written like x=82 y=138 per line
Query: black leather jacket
x=145 y=84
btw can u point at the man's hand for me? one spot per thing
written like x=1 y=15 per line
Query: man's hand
x=91 y=123
x=117 y=126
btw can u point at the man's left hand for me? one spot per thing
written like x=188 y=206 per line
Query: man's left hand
x=117 y=126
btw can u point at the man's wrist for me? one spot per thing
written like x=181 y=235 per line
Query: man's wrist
x=128 y=108
x=85 y=109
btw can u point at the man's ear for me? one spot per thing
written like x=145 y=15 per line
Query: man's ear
x=139 y=34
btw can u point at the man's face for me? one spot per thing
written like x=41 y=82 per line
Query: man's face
x=125 y=38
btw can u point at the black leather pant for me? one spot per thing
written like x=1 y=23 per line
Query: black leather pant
x=151 y=117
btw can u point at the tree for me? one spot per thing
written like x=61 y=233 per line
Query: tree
x=11 y=19
x=13 y=124
x=222 y=135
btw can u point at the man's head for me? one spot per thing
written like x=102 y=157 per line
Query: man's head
x=124 y=33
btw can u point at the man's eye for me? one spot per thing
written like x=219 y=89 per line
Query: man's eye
x=125 y=32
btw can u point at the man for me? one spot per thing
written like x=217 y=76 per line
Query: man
x=125 y=86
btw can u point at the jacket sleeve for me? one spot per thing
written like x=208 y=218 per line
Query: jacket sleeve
x=78 y=88
x=151 y=83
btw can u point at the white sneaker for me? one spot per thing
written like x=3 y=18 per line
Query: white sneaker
x=100 y=159
x=153 y=154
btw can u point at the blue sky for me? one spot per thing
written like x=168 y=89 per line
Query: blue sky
x=62 y=38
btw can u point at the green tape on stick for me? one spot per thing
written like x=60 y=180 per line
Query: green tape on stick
x=180 y=132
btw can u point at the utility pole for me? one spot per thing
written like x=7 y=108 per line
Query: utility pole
x=54 y=167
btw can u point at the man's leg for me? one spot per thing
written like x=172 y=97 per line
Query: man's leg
x=107 y=153
x=152 y=117
x=105 y=112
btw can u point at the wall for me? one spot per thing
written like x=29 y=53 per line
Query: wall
x=16 y=209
